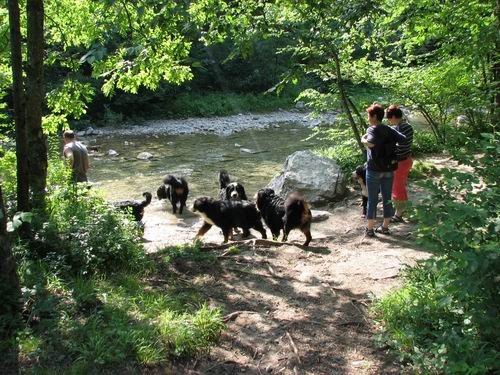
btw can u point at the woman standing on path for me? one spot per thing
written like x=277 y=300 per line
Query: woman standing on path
x=380 y=141
x=405 y=162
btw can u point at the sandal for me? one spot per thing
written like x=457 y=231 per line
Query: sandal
x=383 y=230
x=369 y=232
x=397 y=219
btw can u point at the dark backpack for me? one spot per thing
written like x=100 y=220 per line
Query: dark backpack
x=385 y=158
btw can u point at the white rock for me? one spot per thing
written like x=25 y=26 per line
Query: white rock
x=317 y=178
x=318 y=215
x=144 y=156
x=237 y=145
x=112 y=153
x=300 y=105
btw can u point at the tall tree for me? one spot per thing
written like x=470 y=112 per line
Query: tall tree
x=37 y=142
x=19 y=111
x=10 y=292
x=325 y=40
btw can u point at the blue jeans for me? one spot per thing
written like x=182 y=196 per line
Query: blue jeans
x=375 y=182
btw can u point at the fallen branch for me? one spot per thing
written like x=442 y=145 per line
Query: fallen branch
x=294 y=347
x=258 y=274
x=350 y=322
x=235 y=314
x=252 y=242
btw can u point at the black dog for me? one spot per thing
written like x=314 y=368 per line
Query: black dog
x=230 y=190
x=228 y=214
x=134 y=207
x=360 y=176
x=286 y=214
x=174 y=189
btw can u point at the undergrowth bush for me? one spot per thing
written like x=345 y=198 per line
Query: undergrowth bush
x=80 y=233
x=425 y=143
x=224 y=104
x=120 y=322
x=422 y=169
x=445 y=318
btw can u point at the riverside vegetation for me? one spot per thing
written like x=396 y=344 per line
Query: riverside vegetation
x=79 y=293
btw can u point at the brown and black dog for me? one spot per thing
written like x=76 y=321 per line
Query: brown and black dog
x=228 y=214
x=280 y=214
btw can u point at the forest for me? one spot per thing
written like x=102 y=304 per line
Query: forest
x=198 y=86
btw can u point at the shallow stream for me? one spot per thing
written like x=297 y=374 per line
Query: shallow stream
x=197 y=157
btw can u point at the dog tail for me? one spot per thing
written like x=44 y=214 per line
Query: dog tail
x=147 y=199
x=224 y=179
x=297 y=204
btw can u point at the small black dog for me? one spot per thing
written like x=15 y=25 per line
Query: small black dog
x=134 y=207
x=228 y=214
x=174 y=189
x=360 y=176
x=230 y=190
x=286 y=214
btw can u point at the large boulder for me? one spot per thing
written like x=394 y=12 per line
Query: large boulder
x=319 y=179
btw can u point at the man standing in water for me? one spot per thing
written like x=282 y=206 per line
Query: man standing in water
x=78 y=156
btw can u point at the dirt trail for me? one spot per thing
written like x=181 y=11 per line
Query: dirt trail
x=298 y=311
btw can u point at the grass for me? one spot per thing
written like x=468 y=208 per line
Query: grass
x=122 y=321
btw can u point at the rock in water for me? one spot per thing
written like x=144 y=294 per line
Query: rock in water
x=318 y=179
x=144 y=156
x=112 y=153
x=250 y=151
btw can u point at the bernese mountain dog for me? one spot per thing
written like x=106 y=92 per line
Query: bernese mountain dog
x=230 y=190
x=360 y=176
x=174 y=189
x=228 y=214
x=280 y=214
x=135 y=208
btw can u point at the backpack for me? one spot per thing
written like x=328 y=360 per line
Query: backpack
x=385 y=159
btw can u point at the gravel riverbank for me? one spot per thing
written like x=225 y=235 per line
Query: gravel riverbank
x=220 y=125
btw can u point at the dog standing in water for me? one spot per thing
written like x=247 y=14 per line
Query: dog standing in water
x=174 y=189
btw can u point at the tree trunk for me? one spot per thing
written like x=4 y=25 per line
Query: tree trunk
x=345 y=102
x=19 y=111
x=361 y=120
x=37 y=141
x=10 y=292
x=496 y=72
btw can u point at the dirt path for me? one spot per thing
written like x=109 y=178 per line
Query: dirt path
x=297 y=311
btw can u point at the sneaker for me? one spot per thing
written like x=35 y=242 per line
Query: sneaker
x=369 y=232
x=383 y=230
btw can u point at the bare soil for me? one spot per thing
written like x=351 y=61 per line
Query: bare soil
x=294 y=310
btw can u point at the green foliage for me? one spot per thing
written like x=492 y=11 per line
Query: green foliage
x=425 y=143
x=123 y=321
x=169 y=254
x=422 y=170
x=343 y=148
x=445 y=318
x=223 y=104
x=67 y=101
x=81 y=232
x=8 y=177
